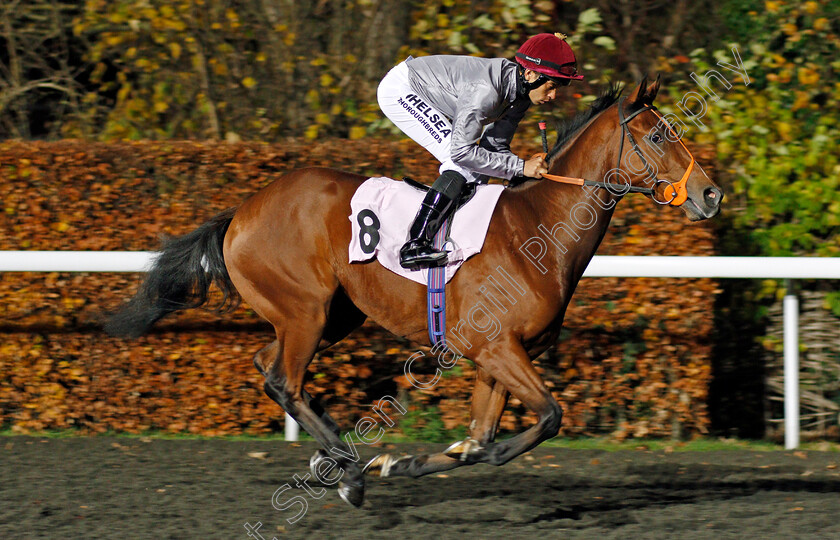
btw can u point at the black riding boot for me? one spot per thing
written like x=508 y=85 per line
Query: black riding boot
x=436 y=208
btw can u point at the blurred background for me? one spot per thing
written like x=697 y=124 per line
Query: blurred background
x=123 y=121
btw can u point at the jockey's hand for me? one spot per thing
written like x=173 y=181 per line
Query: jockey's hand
x=535 y=167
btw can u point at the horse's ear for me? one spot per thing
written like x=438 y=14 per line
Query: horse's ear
x=637 y=96
x=652 y=90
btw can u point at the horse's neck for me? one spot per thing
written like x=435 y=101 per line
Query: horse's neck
x=590 y=155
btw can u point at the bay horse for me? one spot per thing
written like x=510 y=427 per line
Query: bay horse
x=285 y=252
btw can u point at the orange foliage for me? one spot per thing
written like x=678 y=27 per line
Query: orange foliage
x=633 y=359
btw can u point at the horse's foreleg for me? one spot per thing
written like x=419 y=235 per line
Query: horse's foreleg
x=509 y=365
x=488 y=402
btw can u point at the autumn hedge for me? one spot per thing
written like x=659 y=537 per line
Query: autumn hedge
x=633 y=359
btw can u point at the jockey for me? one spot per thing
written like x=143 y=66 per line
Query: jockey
x=465 y=110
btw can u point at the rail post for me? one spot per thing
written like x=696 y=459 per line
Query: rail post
x=791 y=346
x=291 y=428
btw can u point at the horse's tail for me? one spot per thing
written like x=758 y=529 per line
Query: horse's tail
x=179 y=279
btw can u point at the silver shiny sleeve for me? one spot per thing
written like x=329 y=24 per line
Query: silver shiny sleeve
x=471 y=117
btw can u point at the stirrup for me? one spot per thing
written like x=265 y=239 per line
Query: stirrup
x=412 y=258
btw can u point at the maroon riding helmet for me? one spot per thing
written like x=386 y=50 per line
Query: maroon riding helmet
x=551 y=56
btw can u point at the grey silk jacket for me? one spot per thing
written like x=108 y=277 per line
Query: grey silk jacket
x=479 y=97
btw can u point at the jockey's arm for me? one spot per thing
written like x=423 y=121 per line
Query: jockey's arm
x=499 y=134
x=497 y=138
x=471 y=116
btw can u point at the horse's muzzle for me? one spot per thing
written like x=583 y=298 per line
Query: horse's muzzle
x=706 y=208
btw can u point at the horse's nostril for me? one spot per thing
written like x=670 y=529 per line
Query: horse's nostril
x=712 y=196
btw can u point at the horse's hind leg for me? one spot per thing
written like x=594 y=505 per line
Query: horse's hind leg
x=265 y=357
x=284 y=384
x=344 y=317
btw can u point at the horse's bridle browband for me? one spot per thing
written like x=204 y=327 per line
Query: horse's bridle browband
x=680 y=194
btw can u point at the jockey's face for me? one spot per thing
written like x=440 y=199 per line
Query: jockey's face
x=542 y=94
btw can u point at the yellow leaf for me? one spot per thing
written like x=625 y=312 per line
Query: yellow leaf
x=784 y=76
x=357 y=132
x=175 y=50
x=113 y=40
x=802 y=100
x=807 y=76
x=311 y=132
x=326 y=79
x=784 y=130
x=161 y=106
x=249 y=82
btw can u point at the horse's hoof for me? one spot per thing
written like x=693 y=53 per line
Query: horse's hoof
x=352 y=494
x=381 y=465
x=314 y=460
x=464 y=450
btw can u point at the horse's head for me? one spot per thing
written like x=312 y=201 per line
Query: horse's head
x=652 y=155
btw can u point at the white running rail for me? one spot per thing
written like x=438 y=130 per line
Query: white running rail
x=787 y=268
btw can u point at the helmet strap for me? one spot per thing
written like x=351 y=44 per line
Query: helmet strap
x=525 y=86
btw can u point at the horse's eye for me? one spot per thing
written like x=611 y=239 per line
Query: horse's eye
x=656 y=138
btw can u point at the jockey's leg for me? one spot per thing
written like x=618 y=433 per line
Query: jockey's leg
x=429 y=128
x=438 y=205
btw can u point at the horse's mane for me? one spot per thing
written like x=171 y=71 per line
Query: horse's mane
x=567 y=129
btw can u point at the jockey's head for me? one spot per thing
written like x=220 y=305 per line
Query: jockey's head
x=547 y=62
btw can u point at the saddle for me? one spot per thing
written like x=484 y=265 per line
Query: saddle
x=382 y=210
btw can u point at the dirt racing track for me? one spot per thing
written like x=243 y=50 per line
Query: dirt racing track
x=126 y=488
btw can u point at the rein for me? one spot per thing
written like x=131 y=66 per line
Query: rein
x=680 y=195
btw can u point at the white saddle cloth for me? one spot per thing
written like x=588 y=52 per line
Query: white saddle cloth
x=383 y=209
